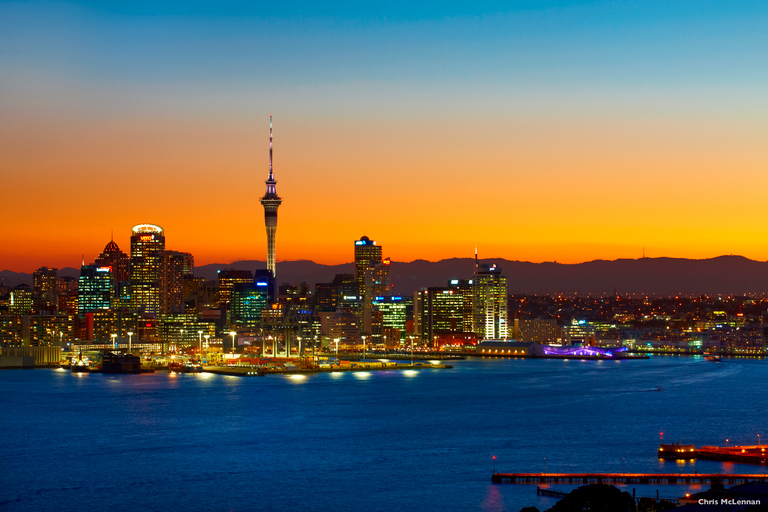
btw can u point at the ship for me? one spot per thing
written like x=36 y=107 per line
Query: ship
x=677 y=451
x=115 y=362
x=80 y=365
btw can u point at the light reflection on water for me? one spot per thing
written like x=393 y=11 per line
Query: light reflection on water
x=394 y=441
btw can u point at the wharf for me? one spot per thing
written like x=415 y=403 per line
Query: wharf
x=627 y=478
x=260 y=371
x=754 y=454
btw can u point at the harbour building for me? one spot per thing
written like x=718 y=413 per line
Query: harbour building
x=147 y=246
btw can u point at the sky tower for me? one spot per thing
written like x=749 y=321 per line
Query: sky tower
x=271 y=201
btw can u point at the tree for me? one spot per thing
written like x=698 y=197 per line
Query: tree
x=595 y=498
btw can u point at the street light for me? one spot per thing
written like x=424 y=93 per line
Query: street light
x=130 y=334
x=411 y=349
x=200 y=339
x=337 y=347
x=114 y=340
x=233 y=334
x=299 y=338
x=363 y=349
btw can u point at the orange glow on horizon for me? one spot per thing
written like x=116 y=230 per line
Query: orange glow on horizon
x=527 y=189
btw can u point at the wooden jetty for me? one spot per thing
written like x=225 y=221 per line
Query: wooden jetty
x=626 y=478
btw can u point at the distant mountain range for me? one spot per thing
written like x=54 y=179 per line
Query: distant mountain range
x=652 y=276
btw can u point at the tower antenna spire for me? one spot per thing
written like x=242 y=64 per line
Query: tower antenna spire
x=271 y=177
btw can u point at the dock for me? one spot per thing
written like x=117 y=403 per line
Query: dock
x=260 y=371
x=753 y=454
x=626 y=478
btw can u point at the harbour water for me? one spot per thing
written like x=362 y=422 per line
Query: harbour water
x=378 y=441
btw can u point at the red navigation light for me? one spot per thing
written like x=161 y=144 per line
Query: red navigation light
x=494 y=457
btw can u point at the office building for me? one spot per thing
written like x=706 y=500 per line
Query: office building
x=113 y=257
x=175 y=267
x=147 y=246
x=489 y=297
x=45 y=289
x=95 y=289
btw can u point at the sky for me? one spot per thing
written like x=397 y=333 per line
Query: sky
x=536 y=131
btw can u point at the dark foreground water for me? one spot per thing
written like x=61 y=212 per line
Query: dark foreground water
x=376 y=441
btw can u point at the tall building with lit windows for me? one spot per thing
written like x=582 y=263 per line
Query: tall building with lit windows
x=95 y=289
x=175 y=266
x=489 y=302
x=367 y=254
x=147 y=246
x=113 y=257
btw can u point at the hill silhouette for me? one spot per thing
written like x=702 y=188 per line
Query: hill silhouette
x=730 y=275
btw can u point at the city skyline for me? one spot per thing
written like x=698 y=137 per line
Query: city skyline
x=539 y=132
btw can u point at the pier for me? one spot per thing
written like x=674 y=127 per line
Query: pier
x=626 y=478
x=754 y=454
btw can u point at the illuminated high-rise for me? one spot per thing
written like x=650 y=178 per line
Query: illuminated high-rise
x=147 y=246
x=95 y=289
x=367 y=254
x=271 y=201
x=113 y=257
x=489 y=302
x=175 y=266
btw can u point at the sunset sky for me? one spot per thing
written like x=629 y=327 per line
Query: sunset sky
x=546 y=131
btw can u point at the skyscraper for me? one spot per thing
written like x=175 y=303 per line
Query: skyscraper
x=94 y=289
x=147 y=246
x=113 y=257
x=489 y=300
x=175 y=266
x=271 y=201
x=367 y=254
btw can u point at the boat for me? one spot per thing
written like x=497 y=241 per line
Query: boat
x=677 y=451
x=715 y=358
x=112 y=362
x=80 y=365
x=185 y=367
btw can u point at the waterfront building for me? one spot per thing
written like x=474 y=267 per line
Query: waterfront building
x=147 y=246
x=344 y=325
x=393 y=311
x=441 y=311
x=95 y=289
x=489 y=301
x=509 y=348
x=179 y=331
x=539 y=330
x=578 y=333
x=175 y=267
x=271 y=202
